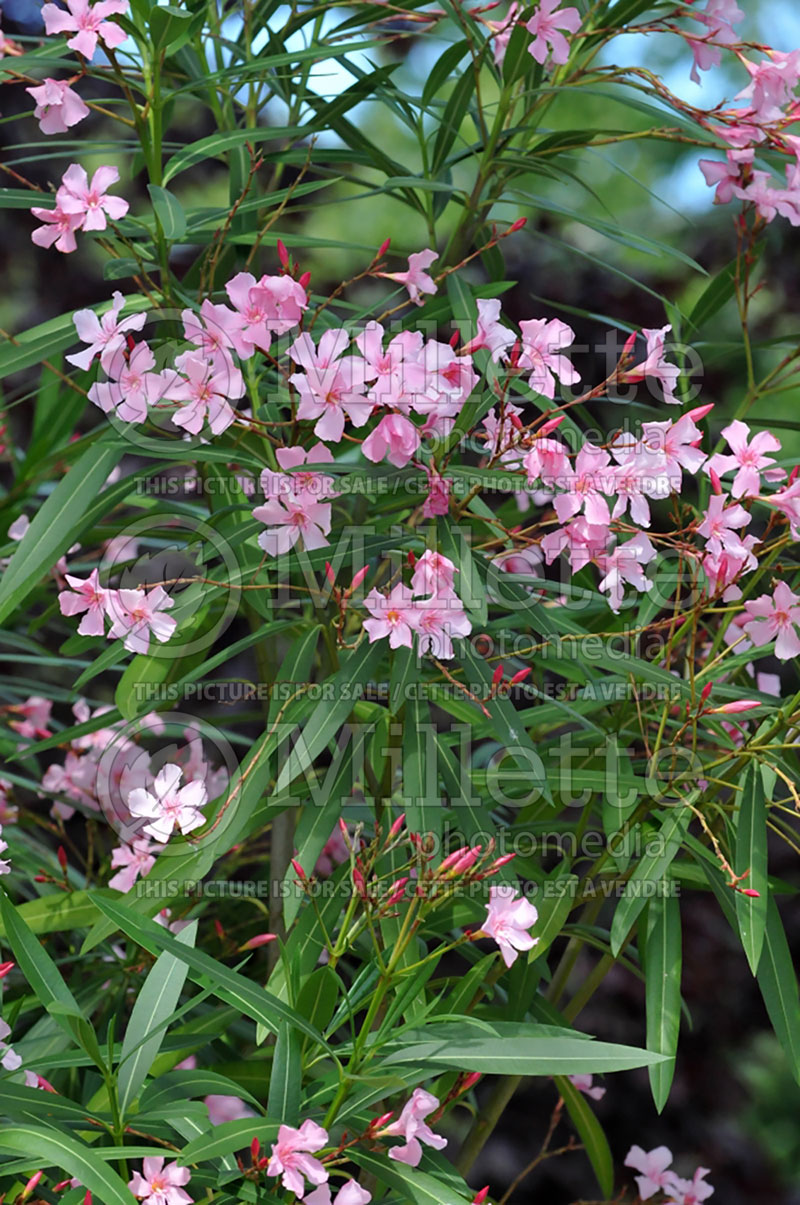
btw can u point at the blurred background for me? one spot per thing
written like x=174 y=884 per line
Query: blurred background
x=734 y=1107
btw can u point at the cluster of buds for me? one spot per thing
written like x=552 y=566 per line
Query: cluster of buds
x=290 y=267
x=736 y=707
x=501 y=686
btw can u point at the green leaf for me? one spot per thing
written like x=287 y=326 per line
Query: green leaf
x=50 y=1148
x=56 y=523
x=228 y=1137
x=283 y=1103
x=651 y=869
x=227 y=985
x=590 y=1132
x=751 y=855
x=168 y=208
x=154 y=1006
x=662 y=967
x=410 y=1183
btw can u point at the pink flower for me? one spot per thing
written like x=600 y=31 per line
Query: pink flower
x=546 y=24
x=437 y=501
x=334 y=852
x=291 y=1161
x=416 y=279
x=10 y=1060
x=226 y=1108
x=775 y=619
x=57 y=106
x=59 y=228
x=491 y=334
x=296 y=483
x=271 y=305
x=89 y=201
x=726 y=175
x=350 y=1193
x=665 y=449
x=787 y=500
x=136 y=615
x=36 y=716
x=214 y=330
x=748 y=459
x=290 y=519
x=392 y=616
x=106 y=335
x=433 y=573
x=653 y=1166
x=133 y=387
x=395 y=437
x=689 y=1192
x=772 y=85
x=547 y=462
x=396 y=373
x=584 y=1084
x=502 y=31
x=436 y=620
x=89 y=23
x=719 y=17
x=721 y=523
x=583 y=541
x=586 y=487
x=205 y=387
x=654 y=365
x=5 y=868
x=169 y=808
x=330 y=387
x=542 y=342
x=411 y=1126
x=89 y=597
x=625 y=564
x=134 y=860
x=159 y=1185
x=508 y=919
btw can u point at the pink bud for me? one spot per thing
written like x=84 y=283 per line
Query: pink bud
x=378 y=1122
x=45 y=1085
x=384 y=247
x=630 y=342
x=255 y=1150
x=700 y=412
x=515 y=421
x=735 y=707
x=29 y=1187
x=716 y=484
x=495 y=866
x=454 y=339
x=61 y=854
x=471 y=1080
x=515 y=226
x=551 y=425
x=358 y=579
x=451 y=859
x=750 y=892
x=793 y=475
x=299 y=868
x=411 y=558
x=706 y=691
x=87 y=1200
x=345 y=832
x=497 y=676
x=260 y=939
x=62 y=1184
x=305 y=280
x=520 y=676
x=469 y=859
x=359 y=883
x=331 y=576
x=5 y=967
x=481 y=1196
x=398 y=824
x=283 y=254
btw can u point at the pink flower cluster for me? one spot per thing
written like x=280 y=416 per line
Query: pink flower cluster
x=429 y=608
x=135 y=615
x=88 y=24
x=656 y=1176
x=80 y=205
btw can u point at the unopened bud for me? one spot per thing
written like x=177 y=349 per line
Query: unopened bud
x=520 y=676
x=305 y=280
x=754 y=895
x=29 y=1187
x=331 y=576
x=260 y=939
x=515 y=226
x=481 y=1195
x=551 y=425
x=283 y=254
x=706 y=691
x=358 y=579
x=735 y=707
x=5 y=967
x=716 y=484
x=61 y=854
x=497 y=676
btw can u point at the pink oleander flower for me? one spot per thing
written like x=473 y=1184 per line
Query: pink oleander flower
x=654 y=365
x=271 y=305
x=747 y=458
x=226 y=1108
x=10 y=1060
x=548 y=463
x=772 y=85
x=88 y=598
x=57 y=106
x=775 y=618
x=137 y=615
x=5 y=865
x=392 y=616
x=721 y=524
x=787 y=500
x=89 y=23
x=159 y=1185
x=585 y=487
x=295 y=482
x=291 y=518
x=491 y=334
x=433 y=574
x=719 y=17
x=626 y=564
x=508 y=919
x=105 y=335
x=502 y=31
x=350 y=1193
x=89 y=200
x=689 y=1192
x=542 y=342
x=133 y=860
x=292 y=1158
x=59 y=228
x=333 y=853
x=133 y=385
x=213 y=331
x=412 y=1126
x=449 y=380
x=653 y=1166
x=545 y=25
x=436 y=620
x=170 y=807
x=8 y=46
x=205 y=387
x=665 y=449
x=581 y=540
x=395 y=438
x=395 y=374
x=584 y=1084
x=633 y=484
x=437 y=500
x=330 y=388
x=726 y=174
x=416 y=279
x=771 y=201
x=35 y=712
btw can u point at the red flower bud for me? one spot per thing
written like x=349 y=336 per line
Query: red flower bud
x=305 y=280
x=716 y=484
x=398 y=824
x=520 y=676
x=61 y=854
x=358 y=579
x=550 y=426
x=283 y=254
x=331 y=576
x=219 y=930
x=749 y=891
x=481 y=1196
x=515 y=226
x=260 y=939
x=5 y=967
x=384 y=247
x=706 y=691
x=255 y=1150
x=497 y=676
x=299 y=869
